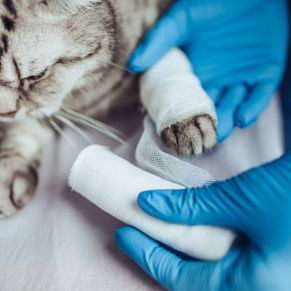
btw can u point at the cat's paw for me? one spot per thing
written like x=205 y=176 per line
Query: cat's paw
x=18 y=181
x=192 y=136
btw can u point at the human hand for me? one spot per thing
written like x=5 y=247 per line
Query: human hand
x=238 y=50
x=256 y=203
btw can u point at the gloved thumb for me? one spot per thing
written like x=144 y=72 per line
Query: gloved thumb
x=168 y=33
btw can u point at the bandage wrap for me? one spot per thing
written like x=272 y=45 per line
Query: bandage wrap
x=113 y=184
x=171 y=93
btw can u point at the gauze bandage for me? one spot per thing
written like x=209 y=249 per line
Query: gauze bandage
x=154 y=157
x=113 y=184
x=171 y=92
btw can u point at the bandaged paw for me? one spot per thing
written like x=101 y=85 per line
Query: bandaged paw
x=184 y=114
x=113 y=184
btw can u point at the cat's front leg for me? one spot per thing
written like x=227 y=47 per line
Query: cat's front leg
x=20 y=153
x=182 y=111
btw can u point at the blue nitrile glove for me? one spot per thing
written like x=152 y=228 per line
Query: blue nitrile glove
x=237 y=48
x=256 y=203
x=286 y=103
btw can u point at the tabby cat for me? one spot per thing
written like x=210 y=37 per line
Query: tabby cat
x=60 y=57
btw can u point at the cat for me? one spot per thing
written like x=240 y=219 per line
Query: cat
x=60 y=58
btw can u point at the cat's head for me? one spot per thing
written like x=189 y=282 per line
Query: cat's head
x=46 y=48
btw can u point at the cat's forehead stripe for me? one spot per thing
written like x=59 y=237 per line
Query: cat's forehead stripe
x=4 y=40
x=3 y=45
x=10 y=6
x=8 y=23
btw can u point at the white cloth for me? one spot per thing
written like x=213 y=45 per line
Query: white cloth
x=113 y=184
x=62 y=242
x=153 y=156
x=171 y=92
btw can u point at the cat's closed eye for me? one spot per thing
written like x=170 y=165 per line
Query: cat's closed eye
x=37 y=77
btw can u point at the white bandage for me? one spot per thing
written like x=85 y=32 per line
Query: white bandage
x=113 y=184
x=171 y=92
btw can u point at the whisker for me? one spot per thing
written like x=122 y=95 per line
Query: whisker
x=94 y=124
x=120 y=67
x=91 y=120
x=45 y=122
x=74 y=127
x=97 y=128
x=61 y=132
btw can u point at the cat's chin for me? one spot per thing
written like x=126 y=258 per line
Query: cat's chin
x=7 y=119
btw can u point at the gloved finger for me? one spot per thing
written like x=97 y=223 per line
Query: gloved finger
x=254 y=105
x=210 y=205
x=165 y=267
x=235 y=203
x=158 y=262
x=214 y=94
x=231 y=98
x=168 y=33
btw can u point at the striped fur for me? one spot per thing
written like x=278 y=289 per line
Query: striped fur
x=56 y=54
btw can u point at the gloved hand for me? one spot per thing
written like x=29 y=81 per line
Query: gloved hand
x=285 y=92
x=256 y=203
x=237 y=48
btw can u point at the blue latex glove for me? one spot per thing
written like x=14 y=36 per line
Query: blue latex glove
x=256 y=203
x=286 y=103
x=237 y=48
